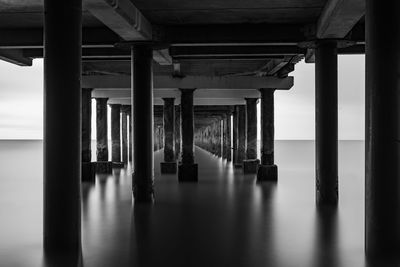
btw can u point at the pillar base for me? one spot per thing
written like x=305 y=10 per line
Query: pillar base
x=143 y=194
x=267 y=173
x=188 y=172
x=168 y=167
x=238 y=165
x=250 y=165
x=88 y=172
x=103 y=166
x=118 y=165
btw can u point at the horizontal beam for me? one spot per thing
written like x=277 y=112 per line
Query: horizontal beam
x=196 y=101
x=33 y=38
x=175 y=93
x=122 y=17
x=204 y=82
x=339 y=17
x=106 y=53
x=233 y=51
x=286 y=34
x=15 y=57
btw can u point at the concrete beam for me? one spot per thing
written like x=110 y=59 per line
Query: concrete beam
x=167 y=93
x=33 y=38
x=15 y=56
x=205 y=82
x=122 y=17
x=203 y=52
x=338 y=18
x=196 y=101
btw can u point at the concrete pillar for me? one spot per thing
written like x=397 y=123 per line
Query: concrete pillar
x=187 y=171
x=241 y=145
x=326 y=122
x=101 y=127
x=235 y=136
x=250 y=164
x=130 y=134
x=177 y=132
x=218 y=133
x=62 y=126
x=169 y=164
x=116 y=134
x=142 y=107
x=267 y=171
x=88 y=169
x=124 y=132
x=225 y=136
x=382 y=134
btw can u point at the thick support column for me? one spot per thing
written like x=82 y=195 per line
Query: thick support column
x=326 y=122
x=188 y=169
x=124 y=132
x=102 y=164
x=228 y=140
x=267 y=171
x=251 y=163
x=101 y=127
x=241 y=146
x=130 y=134
x=177 y=132
x=88 y=168
x=142 y=107
x=382 y=134
x=62 y=126
x=169 y=164
x=235 y=137
x=116 y=135
x=218 y=134
x=225 y=136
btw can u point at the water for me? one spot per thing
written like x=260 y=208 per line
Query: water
x=224 y=220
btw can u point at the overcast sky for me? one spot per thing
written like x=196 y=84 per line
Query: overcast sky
x=21 y=101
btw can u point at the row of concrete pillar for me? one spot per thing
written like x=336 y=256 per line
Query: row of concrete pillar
x=62 y=120
x=244 y=140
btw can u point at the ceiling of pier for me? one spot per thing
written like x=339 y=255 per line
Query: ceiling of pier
x=218 y=38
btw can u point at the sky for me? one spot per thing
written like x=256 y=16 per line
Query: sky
x=21 y=101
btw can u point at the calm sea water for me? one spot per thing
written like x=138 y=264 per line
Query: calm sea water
x=224 y=220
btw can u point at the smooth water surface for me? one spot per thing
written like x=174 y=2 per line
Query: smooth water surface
x=225 y=219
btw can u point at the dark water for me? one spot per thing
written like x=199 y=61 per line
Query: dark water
x=224 y=220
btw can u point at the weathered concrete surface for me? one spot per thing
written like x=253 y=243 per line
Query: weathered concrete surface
x=241 y=150
x=101 y=129
x=115 y=133
x=326 y=122
x=250 y=165
x=177 y=132
x=235 y=131
x=88 y=169
x=169 y=164
x=187 y=171
x=169 y=130
x=267 y=171
x=251 y=128
x=124 y=132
